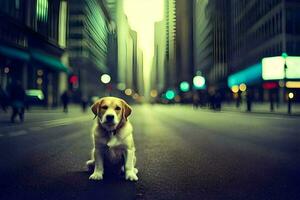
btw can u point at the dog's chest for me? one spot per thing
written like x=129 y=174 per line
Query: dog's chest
x=115 y=149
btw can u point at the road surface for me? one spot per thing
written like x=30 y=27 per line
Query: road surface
x=182 y=154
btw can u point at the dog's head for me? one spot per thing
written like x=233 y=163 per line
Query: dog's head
x=111 y=112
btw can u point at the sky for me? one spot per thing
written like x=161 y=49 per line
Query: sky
x=142 y=14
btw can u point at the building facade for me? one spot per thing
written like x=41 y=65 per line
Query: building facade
x=88 y=46
x=184 y=41
x=170 y=68
x=32 y=42
x=262 y=29
x=211 y=38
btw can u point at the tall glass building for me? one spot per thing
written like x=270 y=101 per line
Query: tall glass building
x=87 y=46
x=262 y=29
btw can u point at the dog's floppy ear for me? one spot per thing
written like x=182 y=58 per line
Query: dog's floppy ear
x=126 y=110
x=95 y=107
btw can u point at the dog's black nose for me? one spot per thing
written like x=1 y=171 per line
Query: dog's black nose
x=109 y=118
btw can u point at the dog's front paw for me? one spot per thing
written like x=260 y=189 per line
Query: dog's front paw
x=131 y=175
x=96 y=176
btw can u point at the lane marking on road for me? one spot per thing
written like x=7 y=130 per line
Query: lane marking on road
x=17 y=133
x=56 y=123
x=1 y=135
x=37 y=128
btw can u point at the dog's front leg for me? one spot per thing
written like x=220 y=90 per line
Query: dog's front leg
x=98 y=170
x=130 y=171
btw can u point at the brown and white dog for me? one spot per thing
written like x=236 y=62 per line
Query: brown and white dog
x=112 y=137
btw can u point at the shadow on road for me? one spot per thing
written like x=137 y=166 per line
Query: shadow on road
x=72 y=185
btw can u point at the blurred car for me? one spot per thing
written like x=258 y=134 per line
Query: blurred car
x=34 y=97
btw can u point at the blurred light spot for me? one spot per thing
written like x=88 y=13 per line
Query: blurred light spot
x=199 y=81
x=128 y=92
x=40 y=72
x=184 y=86
x=284 y=55
x=6 y=70
x=170 y=94
x=293 y=84
x=177 y=99
x=291 y=95
x=121 y=86
x=270 y=85
x=281 y=84
x=39 y=81
x=153 y=93
x=135 y=96
x=105 y=78
x=243 y=87
x=74 y=79
x=35 y=93
x=235 y=89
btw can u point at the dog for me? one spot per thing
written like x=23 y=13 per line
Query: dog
x=112 y=138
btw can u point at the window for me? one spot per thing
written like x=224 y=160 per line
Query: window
x=42 y=10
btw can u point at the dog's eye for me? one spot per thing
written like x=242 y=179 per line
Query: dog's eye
x=104 y=107
x=118 y=108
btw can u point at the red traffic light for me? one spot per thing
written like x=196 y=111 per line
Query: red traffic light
x=73 y=79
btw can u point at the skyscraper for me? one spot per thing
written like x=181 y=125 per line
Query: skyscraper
x=261 y=29
x=87 y=45
x=211 y=38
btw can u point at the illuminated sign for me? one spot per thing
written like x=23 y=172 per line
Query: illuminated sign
x=273 y=67
x=247 y=76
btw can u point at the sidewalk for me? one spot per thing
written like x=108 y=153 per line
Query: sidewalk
x=263 y=108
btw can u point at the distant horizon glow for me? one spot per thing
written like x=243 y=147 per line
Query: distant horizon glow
x=142 y=14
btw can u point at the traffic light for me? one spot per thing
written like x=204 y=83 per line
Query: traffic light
x=73 y=79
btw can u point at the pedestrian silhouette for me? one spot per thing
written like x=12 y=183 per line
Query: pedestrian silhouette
x=249 y=100
x=218 y=101
x=3 y=99
x=17 y=99
x=65 y=100
x=84 y=103
x=196 y=101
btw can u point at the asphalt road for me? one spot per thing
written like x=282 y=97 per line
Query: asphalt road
x=182 y=154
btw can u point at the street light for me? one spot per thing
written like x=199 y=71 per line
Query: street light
x=284 y=55
x=199 y=82
x=105 y=78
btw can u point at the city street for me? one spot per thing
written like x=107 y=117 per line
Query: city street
x=182 y=154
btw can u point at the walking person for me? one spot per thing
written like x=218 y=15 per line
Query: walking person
x=84 y=103
x=65 y=100
x=17 y=99
x=196 y=101
x=249 y=100
x=3 y=99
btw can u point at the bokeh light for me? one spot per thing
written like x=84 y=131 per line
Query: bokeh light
x=184 y=86
x=128 y=92
x=235 y=89
x=170 y=94
x=105 y=78
x=243 y=87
